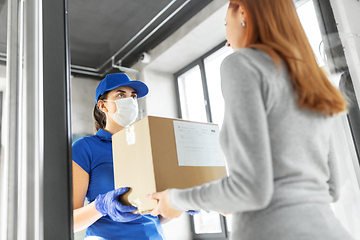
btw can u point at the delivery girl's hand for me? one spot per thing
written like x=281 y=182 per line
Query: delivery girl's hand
x=108 y=204
x=163 y=207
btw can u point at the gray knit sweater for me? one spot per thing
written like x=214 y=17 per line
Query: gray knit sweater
x=280 y=160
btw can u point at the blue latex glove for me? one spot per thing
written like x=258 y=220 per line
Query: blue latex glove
x=192 y=212
x=108 y=204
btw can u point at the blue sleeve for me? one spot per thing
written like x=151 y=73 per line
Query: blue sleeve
x=82 y=154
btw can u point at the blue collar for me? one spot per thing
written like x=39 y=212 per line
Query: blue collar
x=104 y=135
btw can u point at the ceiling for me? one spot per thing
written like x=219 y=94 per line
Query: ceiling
x=115 y=29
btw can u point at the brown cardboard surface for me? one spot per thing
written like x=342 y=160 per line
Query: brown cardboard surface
x=149 y=163
x=132 y=162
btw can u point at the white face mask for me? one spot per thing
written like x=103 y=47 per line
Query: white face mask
x=126 y=111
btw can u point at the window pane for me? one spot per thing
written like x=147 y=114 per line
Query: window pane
x=192 y=95
x=212 y=70
x=307 y=16
x=207 y=222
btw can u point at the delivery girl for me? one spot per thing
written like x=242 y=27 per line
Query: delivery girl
x=105 y=217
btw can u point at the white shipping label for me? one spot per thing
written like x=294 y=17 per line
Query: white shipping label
x=130 y=135
x=197 y=144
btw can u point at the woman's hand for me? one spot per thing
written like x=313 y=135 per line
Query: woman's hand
x=163 y=207
x=109 y=204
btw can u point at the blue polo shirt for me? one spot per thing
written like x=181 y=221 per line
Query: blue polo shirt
x=94 y=155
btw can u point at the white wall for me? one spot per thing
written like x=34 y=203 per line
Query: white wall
x=82 y=105
x=195 y=38
x=161 y=100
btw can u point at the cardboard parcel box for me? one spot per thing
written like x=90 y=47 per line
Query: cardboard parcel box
x=158 y=153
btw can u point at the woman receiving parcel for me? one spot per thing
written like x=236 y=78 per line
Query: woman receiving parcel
x=93 y=177
x=276 y=134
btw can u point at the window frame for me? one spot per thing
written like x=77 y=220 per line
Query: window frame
x=225 y=234
x=201 y=63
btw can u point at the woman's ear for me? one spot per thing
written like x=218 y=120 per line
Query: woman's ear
x=102 y=107
x=242 y=13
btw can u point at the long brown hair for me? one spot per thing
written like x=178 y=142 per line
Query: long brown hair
x=99 y=116
x=274 y=27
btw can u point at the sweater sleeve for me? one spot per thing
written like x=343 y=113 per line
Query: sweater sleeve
x=246 y=145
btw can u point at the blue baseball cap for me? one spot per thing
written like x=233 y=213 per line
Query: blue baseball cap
x=114 y=80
